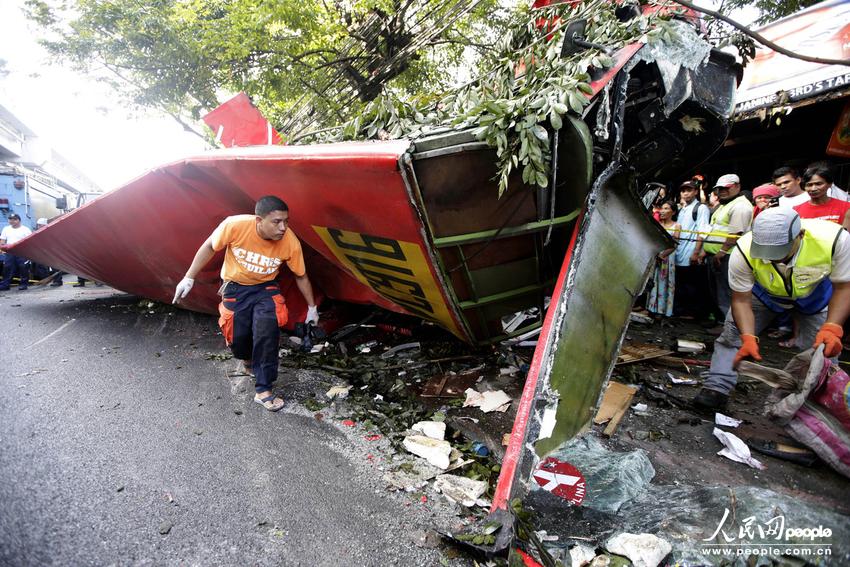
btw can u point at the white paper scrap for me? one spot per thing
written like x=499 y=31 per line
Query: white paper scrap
x=736 y=450
x=682 y=381
x=488 y=401
x=726 y=421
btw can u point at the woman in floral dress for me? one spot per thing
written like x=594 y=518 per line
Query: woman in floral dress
x=660 y=298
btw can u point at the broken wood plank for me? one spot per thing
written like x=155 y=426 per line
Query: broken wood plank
x=611 y=428
x=679 y=362
x=616 y=395
x=637 y=352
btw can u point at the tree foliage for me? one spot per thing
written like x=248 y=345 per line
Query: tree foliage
x=524 y=87
x=305 y=63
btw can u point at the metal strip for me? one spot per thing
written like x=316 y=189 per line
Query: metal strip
x=496 y=297
x=528 y=228
x=470 y=147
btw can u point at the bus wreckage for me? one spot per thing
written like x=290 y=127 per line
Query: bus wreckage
x=414 y=227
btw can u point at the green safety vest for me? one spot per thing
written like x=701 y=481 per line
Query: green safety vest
x=812 y=266
x=719 y=220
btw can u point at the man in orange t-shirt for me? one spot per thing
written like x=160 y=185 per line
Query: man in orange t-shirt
x=252 y=308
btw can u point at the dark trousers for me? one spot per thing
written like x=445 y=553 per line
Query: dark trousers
x=12 y=266
x=691 y=295
x=718 y=281
x=251 y=317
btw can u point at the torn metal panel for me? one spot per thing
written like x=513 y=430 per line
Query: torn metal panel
x=648 y=134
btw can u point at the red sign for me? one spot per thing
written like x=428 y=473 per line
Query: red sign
x=839 y=143
x=561 y=479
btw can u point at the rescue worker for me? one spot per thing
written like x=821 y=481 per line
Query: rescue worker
x=252 y=308
x=14 y=265
x=783 y=264
x=731 y=218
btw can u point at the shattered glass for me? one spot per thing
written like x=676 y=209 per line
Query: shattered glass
x=612 y=478
x=687 y=48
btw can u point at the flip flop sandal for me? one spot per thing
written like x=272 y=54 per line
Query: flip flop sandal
x=268 y=402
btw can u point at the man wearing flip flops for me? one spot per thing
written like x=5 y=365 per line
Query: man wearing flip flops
x=252 y=308
x=784 y=264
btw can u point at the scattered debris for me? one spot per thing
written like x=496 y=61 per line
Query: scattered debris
x=726 y=421
x=434 y=451
x=686 y=363
x=366 y=348
x=636 y=317
x=581 y=555
x=644 y=550
x=214 y=355
x=339 y=392
x=523 y=339
x=795 y=454
x=691 y=347
x=615 y=403
x=488 y=401
x=638 y=352
x=432 y=429
x=119 y=488
x=399 y=348
x=682 y=381
x=735 y=449
x=450 y=385
x=460 y=489
x=640 y=409
x=165 y=528
x=348 y=423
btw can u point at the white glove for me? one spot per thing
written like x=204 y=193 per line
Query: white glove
x=183 y=289
x=312 y=315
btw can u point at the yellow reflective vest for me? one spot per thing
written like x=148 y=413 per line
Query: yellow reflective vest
x=807 y=282
x=719 y=223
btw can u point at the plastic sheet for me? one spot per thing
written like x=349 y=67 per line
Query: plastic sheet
x=612 y=478
x=686 y=516
x=707 y=526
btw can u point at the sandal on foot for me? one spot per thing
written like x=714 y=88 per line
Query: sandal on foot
x=780 y=333
x=269 y=402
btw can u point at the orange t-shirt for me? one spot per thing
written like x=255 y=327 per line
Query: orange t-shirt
x=250 y=259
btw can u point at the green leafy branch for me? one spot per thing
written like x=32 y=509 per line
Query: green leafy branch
x=524 y=91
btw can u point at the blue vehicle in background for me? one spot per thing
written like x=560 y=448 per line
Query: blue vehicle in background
x=35 y=195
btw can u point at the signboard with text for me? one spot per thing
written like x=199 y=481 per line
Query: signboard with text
x=772 y=79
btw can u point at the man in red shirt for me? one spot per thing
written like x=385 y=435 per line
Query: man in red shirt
x=817 y=181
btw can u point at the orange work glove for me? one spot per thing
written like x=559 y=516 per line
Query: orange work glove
x=830 y=337
x=749 y=349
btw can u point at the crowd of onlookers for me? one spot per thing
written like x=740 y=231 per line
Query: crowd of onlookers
x=18 y=269
x=705 y=220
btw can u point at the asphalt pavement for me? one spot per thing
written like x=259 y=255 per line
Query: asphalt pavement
x=122 y=443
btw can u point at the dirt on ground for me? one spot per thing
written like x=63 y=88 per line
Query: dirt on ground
x=679 y=440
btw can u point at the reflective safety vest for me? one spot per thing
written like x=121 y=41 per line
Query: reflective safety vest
x=719 y=223
x=806 y=285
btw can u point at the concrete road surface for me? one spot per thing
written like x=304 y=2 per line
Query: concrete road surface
x=120 y=443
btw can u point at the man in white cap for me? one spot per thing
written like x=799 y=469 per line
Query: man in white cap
x=731 y=219
x=784 y=264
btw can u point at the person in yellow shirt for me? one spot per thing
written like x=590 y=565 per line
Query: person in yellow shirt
x=252 y=308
